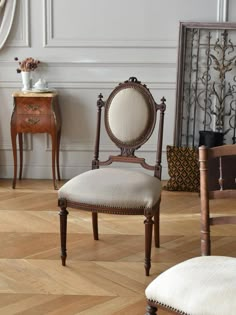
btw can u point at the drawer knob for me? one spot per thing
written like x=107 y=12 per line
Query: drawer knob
x=32 y=107
x=32 y=121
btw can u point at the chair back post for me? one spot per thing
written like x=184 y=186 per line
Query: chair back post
x=204 y=196
x=100 y=104
x=158 y=167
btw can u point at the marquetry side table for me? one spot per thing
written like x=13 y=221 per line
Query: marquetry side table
x=36 y=113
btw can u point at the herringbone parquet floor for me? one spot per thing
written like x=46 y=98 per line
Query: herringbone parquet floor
x=104 y=277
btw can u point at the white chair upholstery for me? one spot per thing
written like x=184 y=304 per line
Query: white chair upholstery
x=120 y=188
x=128 y=125
x=200 y=286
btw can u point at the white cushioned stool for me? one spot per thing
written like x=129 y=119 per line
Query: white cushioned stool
x=203 y=285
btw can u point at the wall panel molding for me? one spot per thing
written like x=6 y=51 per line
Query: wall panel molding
x=27 y=144
x=109 y=85
x=22 y=26
x=222 y=10
x=44 y=172
x=105 y=63
x=118 y=63
x=89 y=85
x=83 y=147
x=50 y=40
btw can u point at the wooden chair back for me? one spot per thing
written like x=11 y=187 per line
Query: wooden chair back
x=130 y=115
x=206 y=157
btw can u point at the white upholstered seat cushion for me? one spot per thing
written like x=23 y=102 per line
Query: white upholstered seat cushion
x=199 y=286
x=113 y=187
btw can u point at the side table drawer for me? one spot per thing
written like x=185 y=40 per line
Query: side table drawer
x=33 y=123
x=33 y=106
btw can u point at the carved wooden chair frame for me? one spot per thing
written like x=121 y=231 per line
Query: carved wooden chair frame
x=127 y=155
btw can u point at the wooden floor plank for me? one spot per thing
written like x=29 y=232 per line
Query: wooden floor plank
x=104 y=277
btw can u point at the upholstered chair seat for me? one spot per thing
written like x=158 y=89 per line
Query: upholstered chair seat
x=120 y=188
x=199 y=286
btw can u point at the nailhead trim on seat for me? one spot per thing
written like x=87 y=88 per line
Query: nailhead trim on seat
x=112 y=210
x=168 y=307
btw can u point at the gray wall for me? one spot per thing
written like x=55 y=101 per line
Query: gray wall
x=87 y=47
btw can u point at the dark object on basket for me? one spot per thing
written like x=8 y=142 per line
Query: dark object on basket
x=211 y=138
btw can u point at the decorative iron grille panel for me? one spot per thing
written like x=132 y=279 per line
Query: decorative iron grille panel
x=206 y=82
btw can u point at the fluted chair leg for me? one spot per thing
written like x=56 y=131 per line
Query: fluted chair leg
x=95 y=225
x=157 y=228
x=151 y=310
x=205 y=243
x=148 y=243
x=63 y=231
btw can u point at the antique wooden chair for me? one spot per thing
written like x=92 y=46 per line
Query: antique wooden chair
x=130 y=118
x=207 y=156
x=203 y=285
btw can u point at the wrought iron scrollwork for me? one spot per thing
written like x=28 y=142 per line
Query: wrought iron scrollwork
x=208 y=95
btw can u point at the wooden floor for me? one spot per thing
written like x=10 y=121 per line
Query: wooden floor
x=104 y=277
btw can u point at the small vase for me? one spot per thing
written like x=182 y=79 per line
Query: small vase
x=26 y=80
